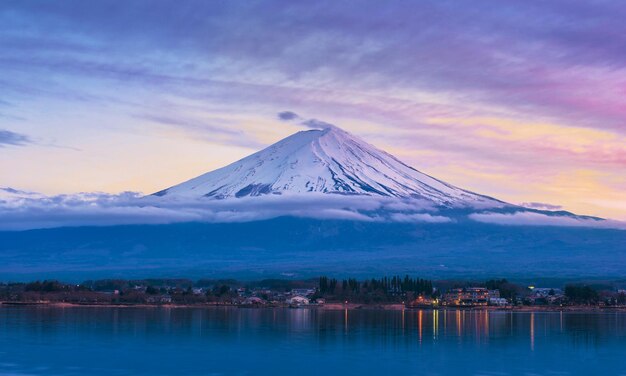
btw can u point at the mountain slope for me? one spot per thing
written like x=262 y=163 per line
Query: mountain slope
x=329 y=161
x=312 y=247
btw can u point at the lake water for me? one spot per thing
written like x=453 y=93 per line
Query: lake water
x=231 y=341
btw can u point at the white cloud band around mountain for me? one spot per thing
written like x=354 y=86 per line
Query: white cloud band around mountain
x=23 y=212
x=419 y=217
x=29 y=210
x=521 y=218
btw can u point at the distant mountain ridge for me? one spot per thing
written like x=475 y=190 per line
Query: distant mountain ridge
x=328 y=160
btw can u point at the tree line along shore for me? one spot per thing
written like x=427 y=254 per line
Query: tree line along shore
x=385 y=292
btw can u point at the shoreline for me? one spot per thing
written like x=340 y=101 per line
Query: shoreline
x=325 y=307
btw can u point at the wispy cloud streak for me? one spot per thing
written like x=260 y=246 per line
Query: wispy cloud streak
x=13 y=139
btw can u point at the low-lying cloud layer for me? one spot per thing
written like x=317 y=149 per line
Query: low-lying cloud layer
x=523 y=218
x=541 y=206
x=28 y=211
x=21 y=210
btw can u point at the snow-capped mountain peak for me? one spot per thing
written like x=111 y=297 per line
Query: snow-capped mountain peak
x=328 y=160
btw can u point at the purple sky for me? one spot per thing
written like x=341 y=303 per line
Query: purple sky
x=521 y=100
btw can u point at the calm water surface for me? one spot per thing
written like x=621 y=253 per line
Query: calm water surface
x=231 y=341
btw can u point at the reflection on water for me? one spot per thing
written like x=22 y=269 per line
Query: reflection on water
x=227 y=340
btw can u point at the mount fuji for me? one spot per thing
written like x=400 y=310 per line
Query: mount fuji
x=320 y=201
x=330 y=161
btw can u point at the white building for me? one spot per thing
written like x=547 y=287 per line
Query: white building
x=298 y=300
x=498 y=302
x=254 y=300
x=303 y=292
x=544 y=292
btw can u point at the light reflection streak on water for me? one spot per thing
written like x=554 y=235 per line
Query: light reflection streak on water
x=459 y=330
x=419 y=320
x=532 y=331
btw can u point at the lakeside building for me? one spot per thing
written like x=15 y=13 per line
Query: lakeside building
x=297 y=300
x=468 y=296
x=546 y=295
x=302 y=292
x=262 y=291
x=546 y=291
x=500 y=302
x=254 y=301
x=162 y=299
x=422 y=301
